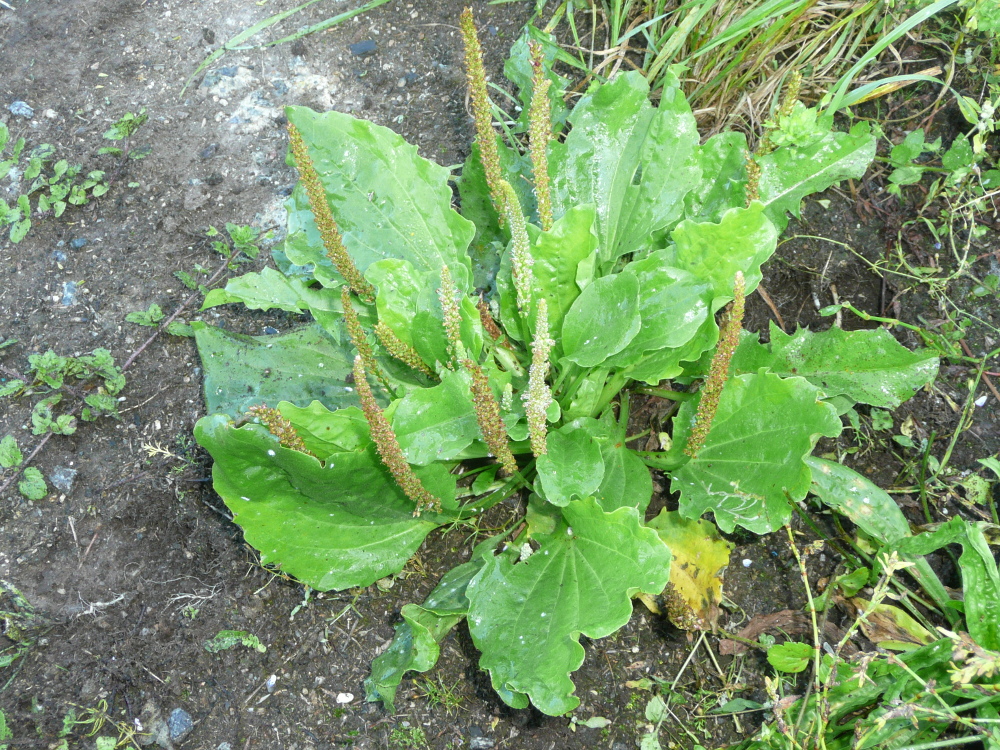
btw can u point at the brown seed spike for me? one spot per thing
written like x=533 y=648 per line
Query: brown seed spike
x=718 y=373
x=279 y=426
x=488 y=415
x=325 y=222
x=388 y=447
x=360 y=339
x=482 y=111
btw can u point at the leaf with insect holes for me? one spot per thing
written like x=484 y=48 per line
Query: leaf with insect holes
x=751 y=466
x=579 y=582
x=332 y=525
x=867 y=366
x=790 y=173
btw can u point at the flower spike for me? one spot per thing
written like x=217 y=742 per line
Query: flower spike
x=520 y=253
x=360 y=339
x=539 y=135
x=482 y=111
x=399 y=349
x=325 y=222
x=718 y=373
x=448 y=296
x=488 y=415
x=538 y=396
x=279 y=426
x=388 y=447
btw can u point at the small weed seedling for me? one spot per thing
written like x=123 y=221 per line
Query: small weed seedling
x=53 y=185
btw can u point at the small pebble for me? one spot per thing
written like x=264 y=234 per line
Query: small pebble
x=79 y=243
x=58 y=256
x=21 y=109
x=345 y=697
x=747 y=562
x=481 y=743
x=209 y=151
x=69 y=294
x=271 y=682
x=180 y=724
x=269 y=331
x=62 y=478
x=362 y=49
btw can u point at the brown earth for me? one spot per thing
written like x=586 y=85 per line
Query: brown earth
x=132 y=569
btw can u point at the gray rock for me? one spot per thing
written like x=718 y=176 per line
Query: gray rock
x=224 y=746
x=69 y=294
x=481 y=743
x=62 y=478
x=180 y=724
x=365 y=48
x=78 y=243
x=21 y=109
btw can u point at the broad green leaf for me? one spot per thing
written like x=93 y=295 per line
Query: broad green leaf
x=415 y=645
x=572 y=468
x=399 y=287
x=869 y=366
x=388 y=201
x=791 y=656
x=669 y=363
x=332 y=526
x=790 y=173
x=673 y=305
x=873 y=511
x=436 y=424
x=303 y=247
x=742 y=240
x=723 y=162
x=656 y=710
x=326 y=432
x=10 y=454
x=558 y=253
x=602 y=320
x=271 y=289
x=301 y=366
x=700 y=557
x=634 y=162
x=751 y=465
x=32 y=484
x=579 y=582
x=627 y=482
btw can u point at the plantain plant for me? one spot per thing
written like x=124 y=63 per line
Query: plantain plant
x=456 y=358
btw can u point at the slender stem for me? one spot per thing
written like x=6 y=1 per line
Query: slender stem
x=665 y=393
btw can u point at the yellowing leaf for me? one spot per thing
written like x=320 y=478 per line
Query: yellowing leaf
x=700 y=558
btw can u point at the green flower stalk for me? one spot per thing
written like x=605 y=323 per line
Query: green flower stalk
x=360 y=339
x=753 y=180
x=539 y=397
x=520 y=253
x=539 y=135
x=718 y=373
x=325 y=222
x=482 y=111
x=399 y=349
x=448 y=296
x=279 y=426
x=388 y=447
x=488 y=415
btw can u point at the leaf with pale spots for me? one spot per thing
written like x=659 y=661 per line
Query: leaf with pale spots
x=579 y=582
x=867 y=366
x=751 y=466
x=336 y=525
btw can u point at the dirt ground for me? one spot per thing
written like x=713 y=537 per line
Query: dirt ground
x=135 y=566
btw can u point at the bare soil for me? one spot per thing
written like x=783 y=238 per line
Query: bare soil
x=136 y=566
